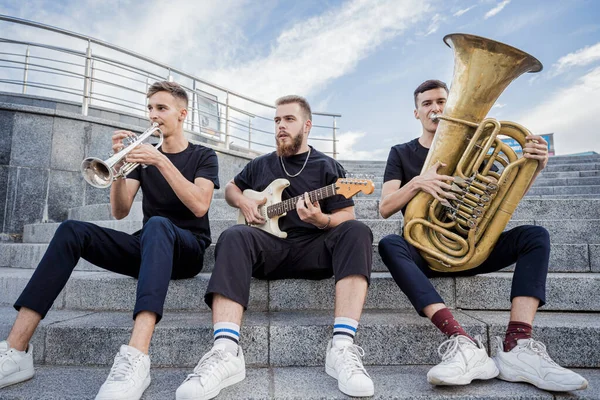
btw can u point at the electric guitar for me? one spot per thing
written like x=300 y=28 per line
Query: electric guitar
x=274 y=208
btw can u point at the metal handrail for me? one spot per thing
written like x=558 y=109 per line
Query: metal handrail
x=203 y=103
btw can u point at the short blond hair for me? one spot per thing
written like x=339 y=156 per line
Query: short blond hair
x=172 y=87
x=301 y=101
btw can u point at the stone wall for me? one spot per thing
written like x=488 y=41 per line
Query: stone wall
x=41 y=149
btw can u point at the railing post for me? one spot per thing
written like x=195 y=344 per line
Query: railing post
x=25 y=70
x=194 y=107
x=227 y=121
x=249 y=133
x=334 y=139
x=146 y=112
x=93 y=75
x=170 y=77
x=87 y=82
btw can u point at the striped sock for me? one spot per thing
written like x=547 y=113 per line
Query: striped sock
x=344 y=330
x=227 y=334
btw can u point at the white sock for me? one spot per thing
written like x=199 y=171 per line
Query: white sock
x=344 y=330
x=227 y=335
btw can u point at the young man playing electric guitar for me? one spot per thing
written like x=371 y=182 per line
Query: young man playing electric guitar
x=323 y=239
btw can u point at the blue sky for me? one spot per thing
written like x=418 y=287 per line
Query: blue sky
x=360 y=58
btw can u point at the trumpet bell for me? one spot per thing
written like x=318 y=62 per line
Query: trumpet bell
x=96 y=172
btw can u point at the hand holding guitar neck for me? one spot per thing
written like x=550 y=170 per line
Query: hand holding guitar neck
x=310 y=212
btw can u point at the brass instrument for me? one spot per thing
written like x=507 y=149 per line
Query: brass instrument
x=101 y=174
x=461 y=236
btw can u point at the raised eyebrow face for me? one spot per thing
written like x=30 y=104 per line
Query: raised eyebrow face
x=429 y=101
x=279 y=118
x=157 y=105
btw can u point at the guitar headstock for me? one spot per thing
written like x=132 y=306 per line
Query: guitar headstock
x=349 y=187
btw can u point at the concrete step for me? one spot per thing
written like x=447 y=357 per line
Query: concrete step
x=297 y=338
x=565 y=208
x=529 y=208
x=578 y=181
x=561 y=231
x=563 y=190
x=308 y=383
x=563 y=257
x=43 y=232
x=107 y=291
x=584 y=166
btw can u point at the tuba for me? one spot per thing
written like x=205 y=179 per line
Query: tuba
x=101 y=174
x=489 y=178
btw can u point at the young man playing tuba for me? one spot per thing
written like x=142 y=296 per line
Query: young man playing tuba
x=520 y=358
x=323 y=239
x=178 y=185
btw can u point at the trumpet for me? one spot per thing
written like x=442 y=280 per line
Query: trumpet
x=101 y=174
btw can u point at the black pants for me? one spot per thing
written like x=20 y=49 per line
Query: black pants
x=528 y=246
x=159 y=253
x=243 y=252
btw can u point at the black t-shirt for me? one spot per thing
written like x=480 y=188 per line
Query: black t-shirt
x=160 y=200
x=320 y=171
x=404 y=162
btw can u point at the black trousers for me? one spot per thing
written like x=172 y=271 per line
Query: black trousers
x=528 y=246
x=160 y=252
x=243 y=252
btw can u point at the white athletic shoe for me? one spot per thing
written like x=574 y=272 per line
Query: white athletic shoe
x=15 y=366
x=529 y=362
x=215 y=371
x=129 y=376
x=462 y=361
x=343 y=362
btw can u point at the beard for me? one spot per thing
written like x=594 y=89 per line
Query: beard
x=288 y=150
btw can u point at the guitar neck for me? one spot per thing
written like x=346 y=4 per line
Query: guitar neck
x=290 y=204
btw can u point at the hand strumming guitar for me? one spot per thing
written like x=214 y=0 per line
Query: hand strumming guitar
x=249 y=207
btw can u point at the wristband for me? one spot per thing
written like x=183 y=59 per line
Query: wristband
x=327 y=224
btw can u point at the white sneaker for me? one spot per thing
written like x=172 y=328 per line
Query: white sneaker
x=343 y=362
x=529 y=362
x=462 y=361
x=215 y=371
x=15 y=366
x=129 y=376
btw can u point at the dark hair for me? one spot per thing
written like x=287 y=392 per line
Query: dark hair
x=429 y=85
x=165 y=86
x=290 y=99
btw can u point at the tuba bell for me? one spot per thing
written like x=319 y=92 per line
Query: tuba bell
x=489 y=178
x=101 y=174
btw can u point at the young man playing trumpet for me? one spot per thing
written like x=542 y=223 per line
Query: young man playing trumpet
x=519 y=357
x=178 y=185
x=323 y=239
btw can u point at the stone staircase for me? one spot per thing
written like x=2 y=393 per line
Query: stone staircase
x=289 y=322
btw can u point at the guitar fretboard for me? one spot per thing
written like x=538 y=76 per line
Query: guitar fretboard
x=290 y=204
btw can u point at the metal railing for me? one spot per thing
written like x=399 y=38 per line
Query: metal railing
x=94 y=73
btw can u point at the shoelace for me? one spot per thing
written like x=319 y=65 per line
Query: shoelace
x=351 y=356
x=450 y=347
x=540 y=348
x=207 y=364
x=122 y=368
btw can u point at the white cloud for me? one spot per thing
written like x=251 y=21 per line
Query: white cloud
x=569 y=114
x=581 y=57
x=311 y=53
x=499 y=105
x=435 y=24
x=463 y=11
x=347 y=141
x=496 y=9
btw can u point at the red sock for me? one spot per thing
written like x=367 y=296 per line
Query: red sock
x=516 y=330
x=445 y=322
